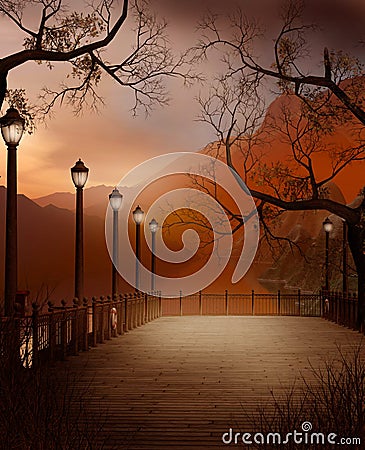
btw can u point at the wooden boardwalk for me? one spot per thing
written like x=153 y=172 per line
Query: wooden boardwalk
x=181 y=382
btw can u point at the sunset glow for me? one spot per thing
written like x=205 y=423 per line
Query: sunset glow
x=113 y=142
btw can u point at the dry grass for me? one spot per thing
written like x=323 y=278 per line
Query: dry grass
x=332 y=400
x=44 y=408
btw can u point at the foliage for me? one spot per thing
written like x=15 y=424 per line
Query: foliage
x=16 y=98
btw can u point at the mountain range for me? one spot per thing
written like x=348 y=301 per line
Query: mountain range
x=46 y=236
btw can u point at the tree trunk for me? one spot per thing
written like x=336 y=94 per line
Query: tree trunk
x=356 y=240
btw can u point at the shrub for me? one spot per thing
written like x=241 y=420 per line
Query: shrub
x=331 y=399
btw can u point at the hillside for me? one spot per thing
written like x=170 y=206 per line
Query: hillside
x=94 y=195
x=46 y=250
x=292 y=270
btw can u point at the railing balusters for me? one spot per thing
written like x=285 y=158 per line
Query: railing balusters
x=63 y=331
x=66 y=330
x=119 y=308
x=52 y=332
x=140 y=309
x=85 y=334
x=102 y=321
x=108 y=317
x=35 y=317
x=135 y=311
x=145 y=308
x=94 y=322
x=75 y=328
x=126 y=296
x=129 y=317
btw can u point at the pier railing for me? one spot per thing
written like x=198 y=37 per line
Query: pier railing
x=340 y=308
x=66 y=330
x=253 y=303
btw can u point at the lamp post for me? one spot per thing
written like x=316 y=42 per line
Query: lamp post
x=138 y=216
x=79 y=174
x=115 y=200
x=327 y=226
x=153 y=228
x=12 y=128
x=344 y=258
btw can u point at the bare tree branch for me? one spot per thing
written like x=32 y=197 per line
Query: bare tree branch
x=82 y=38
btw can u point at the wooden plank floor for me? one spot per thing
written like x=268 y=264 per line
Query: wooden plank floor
x=181 y=382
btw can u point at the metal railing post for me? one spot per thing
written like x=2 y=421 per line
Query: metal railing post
x=85 y=322
x=153 y=308
x=140 y=309
x=94 y=321
x=75 y=327
x=63 y=330
x=145 y=309
x=130 y=310
x=114 y=331
x=134 y=309
x=120 y=318
x=126 y=312
x=35 y=314
x=51 y=332
x=102 y=321
x=108 y=315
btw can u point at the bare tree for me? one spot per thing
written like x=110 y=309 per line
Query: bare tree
x=290 y=50
x=327 y=102
x=81 y=39
x=235 y=112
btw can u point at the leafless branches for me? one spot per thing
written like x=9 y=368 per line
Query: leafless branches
x=150 y=61
x=82 y=38
x=290 y=51
x=234 y=109
x=330 y=397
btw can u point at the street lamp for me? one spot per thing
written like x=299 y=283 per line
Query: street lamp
x=79 y=174
x=115 y=200
x=138 y=216
x=12 y=128
x=153 y=228
x=344 y=258
x=327 y=226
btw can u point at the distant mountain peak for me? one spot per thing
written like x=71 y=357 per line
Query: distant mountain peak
x=93 y=196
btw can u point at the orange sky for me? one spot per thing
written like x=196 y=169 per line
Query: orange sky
x=113 y=142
